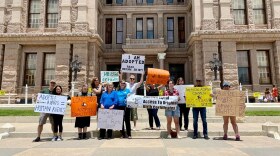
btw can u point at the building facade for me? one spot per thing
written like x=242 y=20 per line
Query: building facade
x=39 y=39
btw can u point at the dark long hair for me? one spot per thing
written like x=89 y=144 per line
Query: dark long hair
x=54 y=90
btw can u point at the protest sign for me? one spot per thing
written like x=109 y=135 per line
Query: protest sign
x=257 y=94
x=2 y=92
x=109 y=76
x=132 y=63
x=157 y=76
x=53 y=104
x=83 y=106
x=158 y=102
x=110 y=119
x=230 y=103
x=182 y=92
x=198 y=97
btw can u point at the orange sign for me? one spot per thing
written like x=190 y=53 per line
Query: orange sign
x=83 y=106
x=157 y=76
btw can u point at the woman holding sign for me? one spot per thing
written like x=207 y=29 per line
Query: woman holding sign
x=57 y=118
x=109 y=100
x=82 y=123
x=97 y=89
x=171 y=91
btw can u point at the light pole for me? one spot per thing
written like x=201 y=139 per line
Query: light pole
x=215 y=65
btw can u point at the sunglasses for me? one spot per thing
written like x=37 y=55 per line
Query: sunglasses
x=122 y=83
x=132 y=78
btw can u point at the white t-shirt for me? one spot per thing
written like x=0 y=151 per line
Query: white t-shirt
x=132 y=87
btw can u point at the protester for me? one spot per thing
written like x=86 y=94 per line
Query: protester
x=82 y=123
x=109 y=100
x=152 y=90
x=184 y=111
x=122 y=95
x=202 y=111
x=97 y=89
x=226 y=86
x=267 y=96
x=275 y=93
x=171 y=91
x=44 y=116
x=57 y=118
x=132 y=86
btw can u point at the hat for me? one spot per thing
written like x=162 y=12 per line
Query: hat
x=52 y=81
x=226 y=84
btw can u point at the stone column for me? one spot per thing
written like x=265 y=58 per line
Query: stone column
x=160 y=25
x=276 y=48
x=93 y=61
x=62 y=62
x=161 y=57
x=12 y=63
x=254 y=69
x=229 y=63
x=81 y=25
x=64 y=25
x=2 y=16
x=208 y=49
x=196 y=14
x=158 y=2
x=15 y=24
x=81 y=49
x=197 y=61
x=275 y=14
x=208 y=21
x=129 y=25
x=92 y=16
x=39 y=70
x=250 y=14
x=226 y=21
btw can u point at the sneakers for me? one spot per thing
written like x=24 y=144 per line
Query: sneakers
x=237 y=138
x=59 y=138
x=54 y=138
x=158 y=128
x=225 y=137
x=194 y=137
x=168 y=136
x=129 y=137
x=37 y=139
x=178 y=136
x=182 y=129
x=206 y=137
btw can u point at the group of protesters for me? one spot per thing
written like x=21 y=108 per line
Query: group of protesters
x=109 y=97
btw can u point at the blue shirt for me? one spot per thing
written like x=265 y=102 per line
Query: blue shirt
x=122 y=94
x=109 y=99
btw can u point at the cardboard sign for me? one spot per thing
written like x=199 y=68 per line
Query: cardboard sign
x=110 y=119
x=2 y=92
x=182 y=92
x=132 y=63
x=83 y=106
x=157 y=76
x=230 y=103
x=109 y=76
x=53 y=104
x=158 y=102
x=198 y=97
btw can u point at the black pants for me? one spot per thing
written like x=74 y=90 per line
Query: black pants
x=103 y=131
x=57 y=123
x=184 y=110
x=126 y=121
x=153 y=115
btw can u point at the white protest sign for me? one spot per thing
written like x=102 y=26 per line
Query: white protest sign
x=109 y=76
x=132 y=63
x=182 y=92
x=159 y=102
x=110 y=119
x=53 y=104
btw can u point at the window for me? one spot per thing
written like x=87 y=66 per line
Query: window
x=119 y=1
x=52 y=13
x=169 y=1
x=181 y=29
x=170 y=30
x=139 y=28
x=149 y=2
x=108 y=34
x=239 y=12
x=263 y=67
x=139 y=1
x=176 y=71
x=244 y=71
x=259 y=11
x=150 y=28
x=30 y=69
x=119 y=31
x=180 y=1
x=34 y=13
x=49 y=69
x=109 y=1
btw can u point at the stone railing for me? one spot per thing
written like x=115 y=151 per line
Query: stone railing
x=144 y=41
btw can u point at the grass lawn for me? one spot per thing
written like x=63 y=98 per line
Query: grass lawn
x=16 y=112
x=262 y=113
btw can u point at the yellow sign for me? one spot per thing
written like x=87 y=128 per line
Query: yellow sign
x=198 y=97
x=257 y=94
x=2 y=92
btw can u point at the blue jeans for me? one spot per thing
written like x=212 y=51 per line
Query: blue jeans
x=153 y=115
x=203 y=118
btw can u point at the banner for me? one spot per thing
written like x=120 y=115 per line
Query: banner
x=157 y=76
x=198 y=97
x=53 y=104
x=158 y=102
x=132 y=63
x=109 y=76
x=83 y=106
x=230 y=103
x=110 y=119
x=182 y=92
